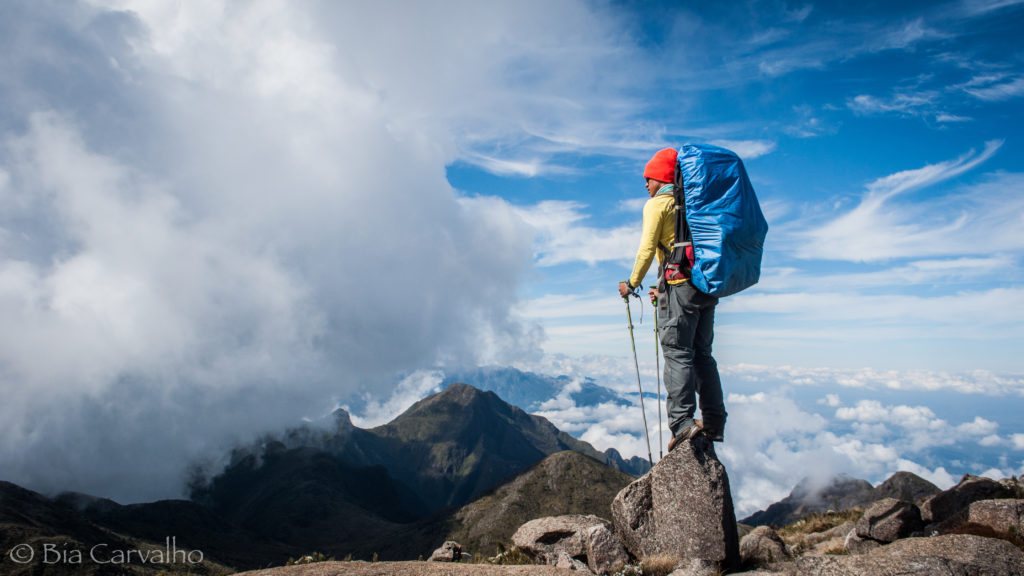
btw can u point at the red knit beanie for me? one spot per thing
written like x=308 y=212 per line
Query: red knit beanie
x=663 y=166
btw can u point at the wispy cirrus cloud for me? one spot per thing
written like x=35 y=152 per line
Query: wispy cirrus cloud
x=934 y=272
x=876 y=230
x=997 y=90
x=905 y=103
x=983 y=7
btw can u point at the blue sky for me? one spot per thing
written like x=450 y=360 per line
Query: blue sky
x=882 y=145
x=220 y=218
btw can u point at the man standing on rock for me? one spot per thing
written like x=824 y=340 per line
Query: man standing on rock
x=686 y=315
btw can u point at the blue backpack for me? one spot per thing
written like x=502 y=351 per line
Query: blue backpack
x=723 y=229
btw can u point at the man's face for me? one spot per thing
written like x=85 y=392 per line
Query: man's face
x=653 y=186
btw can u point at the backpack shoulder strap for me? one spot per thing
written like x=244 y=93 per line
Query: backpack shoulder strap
x=682 y=239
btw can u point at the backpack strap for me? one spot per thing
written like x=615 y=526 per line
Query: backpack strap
x=685 y=239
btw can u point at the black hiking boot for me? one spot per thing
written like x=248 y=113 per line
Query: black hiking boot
x=714 y=433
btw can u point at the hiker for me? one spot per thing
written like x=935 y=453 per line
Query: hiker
x=687 y=315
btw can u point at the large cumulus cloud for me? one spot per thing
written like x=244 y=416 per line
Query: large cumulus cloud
x=221 y=217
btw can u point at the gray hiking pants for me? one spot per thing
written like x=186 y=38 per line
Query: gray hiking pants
x=686 y=318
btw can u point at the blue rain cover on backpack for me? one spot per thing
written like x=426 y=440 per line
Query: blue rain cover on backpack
x=726 y=223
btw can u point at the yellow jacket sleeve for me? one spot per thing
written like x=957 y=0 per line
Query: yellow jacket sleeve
x=654 y=222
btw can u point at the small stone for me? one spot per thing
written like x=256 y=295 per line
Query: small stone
x=762 y=547
x=544 y=538
x=450 y=551
x=563 y=560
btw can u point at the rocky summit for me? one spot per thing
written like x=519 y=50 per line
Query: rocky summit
x=682 y=508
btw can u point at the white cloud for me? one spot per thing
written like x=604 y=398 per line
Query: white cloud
x=830 y=400
x=408 y=391
x=866 y=316
x=747 y=149
x=913 y=273
x=1018 y=441
x=978 y=427
x=878 y=230
x=983 y=7
x=975 y=382
x=633 y=204
x=945 y=117
x=595 y=305
x=907 y=180
x=904 y=103
x=991 y=440
x=908 y=35
x=997 y=92
x=561 y=237
x=944 y=480
x=772 y=442
x=264 y=227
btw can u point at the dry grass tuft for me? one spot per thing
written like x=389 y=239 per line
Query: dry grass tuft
x=660 y=565
x=510 y=557
x=837 y=549
x=819 y=522
x=802 y=536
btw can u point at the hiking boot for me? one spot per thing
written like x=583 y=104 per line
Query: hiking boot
x=714 y=434
x=687 y=433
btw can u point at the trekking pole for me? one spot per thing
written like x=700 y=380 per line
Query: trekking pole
x=643 y=412
x=657 y=364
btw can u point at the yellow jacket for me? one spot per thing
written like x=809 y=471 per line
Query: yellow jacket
x=659 y=226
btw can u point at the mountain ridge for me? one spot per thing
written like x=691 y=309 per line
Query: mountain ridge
x=840 y=492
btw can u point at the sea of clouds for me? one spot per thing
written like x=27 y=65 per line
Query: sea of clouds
x=788 y=424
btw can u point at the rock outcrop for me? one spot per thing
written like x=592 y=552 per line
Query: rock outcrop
x=587 y=539
x=1000 y=515
x=889 y=520
x=952 y=555
x=950 y=507
x=683 y=507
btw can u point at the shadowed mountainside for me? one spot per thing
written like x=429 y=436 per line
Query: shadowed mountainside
x=30 y=519
x=391 y=490
x=563 y=483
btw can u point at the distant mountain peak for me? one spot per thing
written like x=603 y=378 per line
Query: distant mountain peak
x=460 y=392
